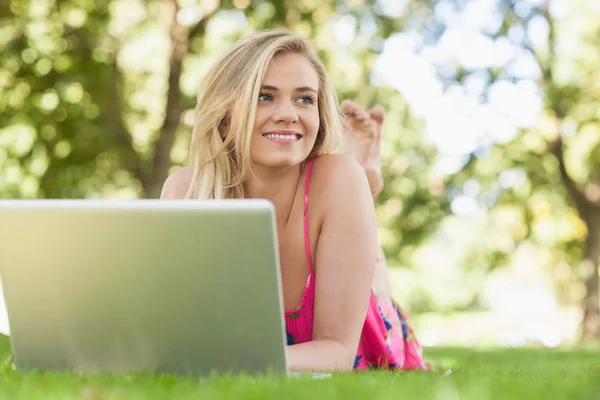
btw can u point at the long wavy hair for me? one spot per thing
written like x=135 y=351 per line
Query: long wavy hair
x=228 y=98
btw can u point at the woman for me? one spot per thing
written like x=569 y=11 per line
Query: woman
x=268 y=126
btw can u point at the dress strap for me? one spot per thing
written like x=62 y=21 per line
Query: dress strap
x=306 y=238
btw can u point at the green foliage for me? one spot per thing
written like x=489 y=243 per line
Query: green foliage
x=412 y=204
x=570 y=113
x=542 y=187
x=60 y=83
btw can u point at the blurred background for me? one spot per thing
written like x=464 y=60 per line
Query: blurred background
x=490 y=217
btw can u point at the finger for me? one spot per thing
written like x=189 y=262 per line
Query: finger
x=368 y=129
x=366 y=122
x=348 y=107
x=362 y=115
x=377 y=113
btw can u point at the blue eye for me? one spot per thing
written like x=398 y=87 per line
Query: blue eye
x=307 y=100
x=265 y=97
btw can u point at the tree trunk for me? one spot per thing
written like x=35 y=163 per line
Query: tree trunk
x=161 y=159
x=589 y=212
x=591 y=302
x=180 y=38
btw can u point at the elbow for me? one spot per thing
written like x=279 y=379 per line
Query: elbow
x=322 y=355
x=347 y=364
x=346 y=355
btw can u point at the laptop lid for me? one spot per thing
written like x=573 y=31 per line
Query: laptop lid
x=187 y=287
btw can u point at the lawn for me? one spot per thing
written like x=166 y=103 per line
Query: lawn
x=489 y=374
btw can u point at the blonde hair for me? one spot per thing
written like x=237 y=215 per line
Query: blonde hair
x=228 y=97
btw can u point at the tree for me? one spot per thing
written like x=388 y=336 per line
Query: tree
x=547 y=177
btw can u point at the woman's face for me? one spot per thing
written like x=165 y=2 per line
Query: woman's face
x=287 y=113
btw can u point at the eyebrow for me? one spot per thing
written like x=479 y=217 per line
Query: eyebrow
x=298 y=89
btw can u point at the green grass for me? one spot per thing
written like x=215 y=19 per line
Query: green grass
x=493 y=374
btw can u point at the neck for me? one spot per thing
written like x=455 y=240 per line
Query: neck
x=278 y=186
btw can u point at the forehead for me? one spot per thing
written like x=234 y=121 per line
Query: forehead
x=291 y=71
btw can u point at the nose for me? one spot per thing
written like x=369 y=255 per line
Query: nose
x=286 y=113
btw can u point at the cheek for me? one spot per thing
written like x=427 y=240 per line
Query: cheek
x=313 y=122
x=260 y=119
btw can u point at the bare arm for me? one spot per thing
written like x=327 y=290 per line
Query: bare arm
x=345 y=260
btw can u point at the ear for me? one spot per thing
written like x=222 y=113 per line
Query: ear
x=224 y=126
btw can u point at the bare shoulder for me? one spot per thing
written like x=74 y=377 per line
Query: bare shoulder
x=338 y=170
x=335 y=177
x=176 y=185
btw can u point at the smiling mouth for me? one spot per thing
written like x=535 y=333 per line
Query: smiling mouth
x=279 y=136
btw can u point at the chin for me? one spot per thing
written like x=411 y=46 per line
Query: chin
x=279 y=161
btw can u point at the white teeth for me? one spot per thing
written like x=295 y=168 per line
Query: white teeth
x=282 y=137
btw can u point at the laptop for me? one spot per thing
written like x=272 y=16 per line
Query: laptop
x=164 y=286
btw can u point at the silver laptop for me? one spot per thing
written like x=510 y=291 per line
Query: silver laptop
x=184 y=287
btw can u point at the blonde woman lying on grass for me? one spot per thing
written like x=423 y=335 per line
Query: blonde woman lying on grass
x=268 y=126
